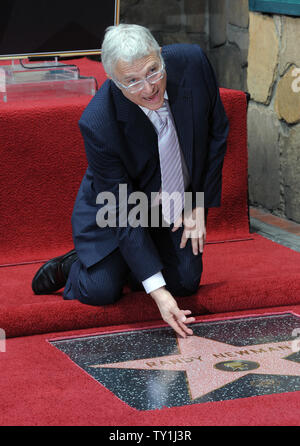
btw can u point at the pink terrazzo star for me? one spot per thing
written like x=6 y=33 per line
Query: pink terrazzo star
x=200 y=358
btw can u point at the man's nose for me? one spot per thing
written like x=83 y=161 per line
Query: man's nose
x=148 y=88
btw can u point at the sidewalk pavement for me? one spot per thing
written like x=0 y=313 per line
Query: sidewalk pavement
x=280 y=230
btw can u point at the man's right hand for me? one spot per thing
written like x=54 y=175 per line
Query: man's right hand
x=171 y=313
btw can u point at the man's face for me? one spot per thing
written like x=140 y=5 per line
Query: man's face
x=152 y=95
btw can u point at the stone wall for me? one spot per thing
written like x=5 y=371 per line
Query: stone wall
x=170 y=21
x=229 y=41
x=274 y=113
x=220 y=27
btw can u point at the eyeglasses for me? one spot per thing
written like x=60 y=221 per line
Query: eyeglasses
x=152 y=79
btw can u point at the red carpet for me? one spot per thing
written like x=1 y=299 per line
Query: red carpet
x=43 y=162
x=41 y=386
x=237 y=276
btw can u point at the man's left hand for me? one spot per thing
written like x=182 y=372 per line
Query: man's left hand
x=194 y=228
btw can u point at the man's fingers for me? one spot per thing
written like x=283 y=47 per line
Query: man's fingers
x=195 y=242
x=184 y=239
x=185 y=328
x=177 y=224
x=174 y=324
x=186 y=312
x=189 y=320
x=201 y=244
x=189 y=223
x=175 y=317
x=194 y=228
x=198 y=242
x=182 y=320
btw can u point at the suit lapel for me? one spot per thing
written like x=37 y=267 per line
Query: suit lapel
x=139 y=130
x=136 y=124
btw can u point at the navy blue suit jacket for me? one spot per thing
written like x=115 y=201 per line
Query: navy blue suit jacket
x=121 y=147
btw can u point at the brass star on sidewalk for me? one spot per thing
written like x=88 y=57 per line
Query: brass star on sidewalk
x=210 y=365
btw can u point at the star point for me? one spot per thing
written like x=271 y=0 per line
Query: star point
x=210 y=364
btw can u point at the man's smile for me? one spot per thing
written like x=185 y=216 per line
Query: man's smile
x=153 y=98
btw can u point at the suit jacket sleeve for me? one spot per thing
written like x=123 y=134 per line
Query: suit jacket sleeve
x=135 y=243
x=218 y=128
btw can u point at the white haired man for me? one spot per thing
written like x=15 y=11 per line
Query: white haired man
x=157 y=125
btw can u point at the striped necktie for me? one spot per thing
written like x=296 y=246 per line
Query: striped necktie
x=170 y=165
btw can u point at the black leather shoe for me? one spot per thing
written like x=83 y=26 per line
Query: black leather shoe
x=53 y=275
